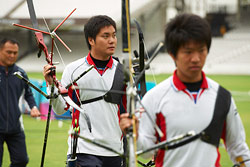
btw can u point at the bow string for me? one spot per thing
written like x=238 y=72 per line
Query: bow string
x=127 y=62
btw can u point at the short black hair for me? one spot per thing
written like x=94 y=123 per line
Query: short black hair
x=95 y=24
x=184 y=28
x=6 y=39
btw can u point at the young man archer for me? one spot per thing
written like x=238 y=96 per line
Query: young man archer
x=190 y=101
x=103 y=107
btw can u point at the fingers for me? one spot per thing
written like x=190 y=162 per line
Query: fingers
x=34 y=112
x=47 y=69
x=46 y=73
x=126 y=122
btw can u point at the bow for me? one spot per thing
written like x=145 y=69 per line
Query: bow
x=49 y=58
x=127 y=62
x=140 y=80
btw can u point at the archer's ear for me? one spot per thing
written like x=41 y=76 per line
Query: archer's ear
x=91 y=41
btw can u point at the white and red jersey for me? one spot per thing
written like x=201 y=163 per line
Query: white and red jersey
x=104 y=116
x=178 y=111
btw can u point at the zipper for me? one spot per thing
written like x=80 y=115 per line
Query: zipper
x=7 y=90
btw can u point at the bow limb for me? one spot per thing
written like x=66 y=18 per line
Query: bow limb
x=126 y=45
x=39 y=35
x=142 y=82
x=143 y=66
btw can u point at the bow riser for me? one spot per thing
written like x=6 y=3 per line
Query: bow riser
x=41 y=45
x=143 y=88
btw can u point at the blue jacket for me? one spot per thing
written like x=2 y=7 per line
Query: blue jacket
x=11 y=89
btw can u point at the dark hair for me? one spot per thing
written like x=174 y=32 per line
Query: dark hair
x=95 y=24
x=184 y=28
x=5 y=40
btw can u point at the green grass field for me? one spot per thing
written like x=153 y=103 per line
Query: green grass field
x=57 y=139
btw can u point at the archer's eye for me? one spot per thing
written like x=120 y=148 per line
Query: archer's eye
x=105 y=36
x=188 y=52
x=202 y=50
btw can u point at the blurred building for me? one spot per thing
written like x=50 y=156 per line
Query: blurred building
x=223 y=16
x=149 y=13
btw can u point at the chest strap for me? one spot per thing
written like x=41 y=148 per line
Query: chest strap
x=113 y=95
x=213 y=132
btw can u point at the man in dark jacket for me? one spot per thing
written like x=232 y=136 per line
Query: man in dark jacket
x=11 y=89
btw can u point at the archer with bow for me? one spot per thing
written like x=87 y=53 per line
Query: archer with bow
x=103 y=106
x=188 y=100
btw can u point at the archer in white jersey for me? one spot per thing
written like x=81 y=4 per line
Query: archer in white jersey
x=94 y=95
x=189 y=101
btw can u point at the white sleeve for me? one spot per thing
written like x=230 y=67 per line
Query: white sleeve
x=147 y=138
x=58 y=104
x=235 y=137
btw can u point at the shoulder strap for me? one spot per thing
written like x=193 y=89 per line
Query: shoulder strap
x=213 y=132
x=118 y=84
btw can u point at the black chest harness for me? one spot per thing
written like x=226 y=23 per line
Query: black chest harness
x=213 y=132
x=114 y=95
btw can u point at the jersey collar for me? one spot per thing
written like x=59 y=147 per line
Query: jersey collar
x=181 y=86
x=91 y=62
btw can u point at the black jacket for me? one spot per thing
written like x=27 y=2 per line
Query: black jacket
x=11 y=89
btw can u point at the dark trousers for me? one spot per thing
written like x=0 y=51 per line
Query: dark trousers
x=17 y=148
x=87 y=160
